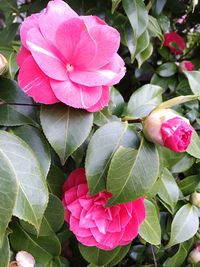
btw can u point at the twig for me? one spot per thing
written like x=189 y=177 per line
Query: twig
x=154 y=258
x=133 y=120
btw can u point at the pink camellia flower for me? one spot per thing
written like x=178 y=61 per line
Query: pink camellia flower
x=194 y=256
x=175 y=43
x=186 y=65
x=92 y=223
x=68 y=58
x=167 y=128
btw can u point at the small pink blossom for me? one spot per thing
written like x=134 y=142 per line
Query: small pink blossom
x=92 y=223
x=167 y=128
x=182 y=20
x=25 y=259
x=69 y=58
x=186 y=65
x=194 y=256
x=174 y=42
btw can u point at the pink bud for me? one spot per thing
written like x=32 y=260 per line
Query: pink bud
x=194 y=256
x=186 y=65
x=25 y=259
x=167 y=128
x=3 y=64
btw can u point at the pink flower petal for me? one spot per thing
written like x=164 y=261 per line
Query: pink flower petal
x=115 y=225
x=103 y=101
x=75 y=178
x=75 y=43
x=75 y=95
x=34 y=83
x=74 y=227
x=75 y=209
x=92 y=21
x=139 y=208
x=22 y=55
x=131 y=229
x=108 y=41
x=55 y=14
x=46 y=55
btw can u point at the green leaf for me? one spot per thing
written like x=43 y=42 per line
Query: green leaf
x=55 y=179
x=49 y=224
x=13 y=115
x=43 y=249
x=179 y=257
x=116 y=104
x=32 y=193
x=5 y=252
x=144 y=100
x=144 y=55
x=150 y=230
x=167 y=69
x=142 y=42
x=168 y=189
x=189 y=184
x=194 y=147
x=128 y=172
x=65 y=128
x=154 y=28
x=101 y=257
x=115 y=4
x=101 y=149
x=103 y=117
x=137 y=15
x=194 y=80
x=177 y=101
x=35 y=139
x=184 y=225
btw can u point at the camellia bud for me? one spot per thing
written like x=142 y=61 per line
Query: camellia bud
x=3 y=64
x=194 y=256
x=195 y=199
x=186 y=65
x=25 y=259
x=167 y=128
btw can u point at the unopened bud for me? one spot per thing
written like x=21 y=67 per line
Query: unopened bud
x=194 y=256
x=186 y=65
x=25 y=259
x=3 y=64
x=195 y=199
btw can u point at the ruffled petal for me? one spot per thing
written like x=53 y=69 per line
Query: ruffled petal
x=76 y=95
x=75 y=178
x=34 y=83
x=75 y=43
x=103 y=101
x=55 y=14
x=46 y=55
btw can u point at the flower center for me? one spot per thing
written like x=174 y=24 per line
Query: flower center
x=69 y=67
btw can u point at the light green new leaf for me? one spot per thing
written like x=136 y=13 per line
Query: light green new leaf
x=144 y=55
x=100 y=257
x=132 y=172
x=23 y=166
x=168 y=189
x=178 y=100
x=101 y=149
x=184 y=225
x=194 y=147
x=137 y=15
x=150 y=230
x=65 y=128
x=5 y=252
x=144 y=100
x=142 y=42
x=154 y=28
x=189 y=184
x=194 y=80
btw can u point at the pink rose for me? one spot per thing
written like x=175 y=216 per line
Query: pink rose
x=186 y=65
x=68 y=58
x=174 y=42
x=167 y=128
x=92 y=223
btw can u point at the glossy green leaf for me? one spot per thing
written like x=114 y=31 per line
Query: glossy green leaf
x=144 y=100
x=43 y=249
x=150 y=230
x=55 y=180
x=184 y=225
x=115 y=4
x=142 y=42
x=154 y=28
x=194 y=147
x=49 y=225
x=32 y=193
x=189 y=184
x=103 y=117
x=128 y=172
x=178 y=100
x=194 y=80
x=35 y=139
x=167 y=69
x=13 y=115
x=116 y=104
x=144 y=55
x=101 y=149
x=65 y=128
x=137 y=15
x=101 y=257
x=5 y=252
x=168 y=189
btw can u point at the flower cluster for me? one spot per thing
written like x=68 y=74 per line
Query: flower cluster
x=68 y=58
x=92 y=222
